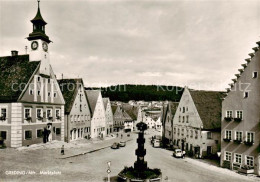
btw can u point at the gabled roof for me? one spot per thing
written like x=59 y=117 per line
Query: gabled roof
x=208 y=105
x=15 y=71
x=92 y=96
x=173 y=107
x=69 y=89
x=114 y=108
x=132 y=111
x=105 y=101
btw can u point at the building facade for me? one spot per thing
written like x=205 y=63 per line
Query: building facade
x=98 y=120
x=109 y=115
x=77 y=111
x=197 y=123
x=31 y=102
x=240 y=131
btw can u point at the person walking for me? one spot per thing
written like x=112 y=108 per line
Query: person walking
x=183 y=154
x=62 y=150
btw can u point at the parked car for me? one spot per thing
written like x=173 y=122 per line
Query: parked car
x=122 y=144
x=178 y=153
x=115 y=146
x=156 y=143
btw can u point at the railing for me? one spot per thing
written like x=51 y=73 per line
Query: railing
x=237 y=119
x=248 y=143
x=228 y=119
x=237 y=141
x=227 y=139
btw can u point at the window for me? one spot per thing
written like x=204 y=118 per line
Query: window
x=179 y=119
x=209 y=135
x=183 y=119
x=49 y=80
x=57 y=113
x=239 y=114
x=58 y=131
x=39 y=113
x=174 y=130
x=255 y=74
x=228 y=134
x=31 y=91
x=55 y=94
x=183 y=109
x=186 y=108
x=238 y=135
x=229 y=114
x=3 y=134
x=187 y=119
x=49 y=113
x=250 y=137
x=250 y=161
x=3 y=113
x=28 y=135
x=49 y=94
x=39 y=92
x=196 y=134
x=80 y=108
x=39 y=133
x=38 y=78
x=238 y=158
x=228 y=156
x=246 y=94
x=27 y=112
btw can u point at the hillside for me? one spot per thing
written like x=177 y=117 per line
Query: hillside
x=125 y=93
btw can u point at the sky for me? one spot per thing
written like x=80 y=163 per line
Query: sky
x=197 y=43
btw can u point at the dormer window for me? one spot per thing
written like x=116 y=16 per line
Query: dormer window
x=255 y=74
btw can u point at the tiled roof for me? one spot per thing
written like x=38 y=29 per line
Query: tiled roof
x=15 y=71
x=114 y=108
x=208 y=105
x=132 y=111
x=92 y=98
x=69 y=89
x=105 y=100
x=173 y=107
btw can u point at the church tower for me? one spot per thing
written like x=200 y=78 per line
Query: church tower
x=39 y=43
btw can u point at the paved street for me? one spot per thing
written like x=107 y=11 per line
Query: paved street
x=92 y=166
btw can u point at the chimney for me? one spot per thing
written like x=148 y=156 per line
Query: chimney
x=14 y=53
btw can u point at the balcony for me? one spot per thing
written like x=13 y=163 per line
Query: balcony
x=228 y=119
x=227 y=139
x=238 y=119
x=249 y=143
x=237 y=141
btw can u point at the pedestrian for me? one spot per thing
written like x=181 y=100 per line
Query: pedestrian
x=62 y=150
x=183 y=154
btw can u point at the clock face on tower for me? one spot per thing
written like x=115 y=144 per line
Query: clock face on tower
x=45 y=46
x=34 y=45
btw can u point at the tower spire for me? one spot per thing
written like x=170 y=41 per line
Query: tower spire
x=38 y=27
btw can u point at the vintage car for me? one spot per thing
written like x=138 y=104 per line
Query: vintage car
x=122 y=144
x=178 y=153
x=115 y=146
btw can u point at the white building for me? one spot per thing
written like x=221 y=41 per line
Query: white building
x=109 y=115
x=98 y=120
